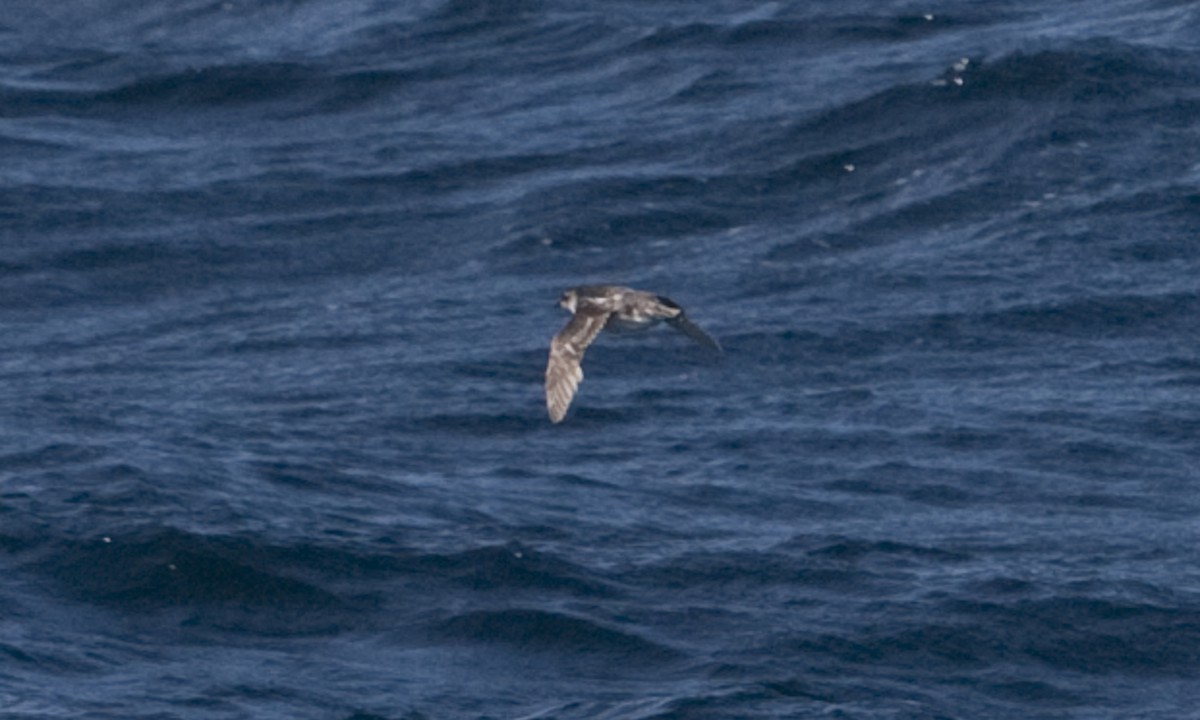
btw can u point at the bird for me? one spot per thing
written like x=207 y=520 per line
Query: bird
x=604 y=307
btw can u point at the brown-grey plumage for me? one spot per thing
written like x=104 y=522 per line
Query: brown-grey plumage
x=604 y=307
x=563 y=373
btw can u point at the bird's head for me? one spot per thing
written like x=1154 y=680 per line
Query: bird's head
x=569 y=300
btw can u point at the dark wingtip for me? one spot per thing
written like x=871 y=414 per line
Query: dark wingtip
x=681 y=323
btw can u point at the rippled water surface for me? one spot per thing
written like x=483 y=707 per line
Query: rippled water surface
x=277 y=282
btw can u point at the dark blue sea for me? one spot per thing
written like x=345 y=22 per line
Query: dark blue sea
x=277 y=284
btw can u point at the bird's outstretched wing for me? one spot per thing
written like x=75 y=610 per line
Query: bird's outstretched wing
x=681 y=323
x=563 y=373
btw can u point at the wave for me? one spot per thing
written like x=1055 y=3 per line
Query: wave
x=1128 y=315
x=817 y=30
x=167 y=567
x=510 y=568
x=1074 y=634
x=541 y=630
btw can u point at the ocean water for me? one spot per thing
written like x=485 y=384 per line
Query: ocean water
x=277 y=281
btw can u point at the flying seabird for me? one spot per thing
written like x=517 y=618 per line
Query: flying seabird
x=598 y=307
